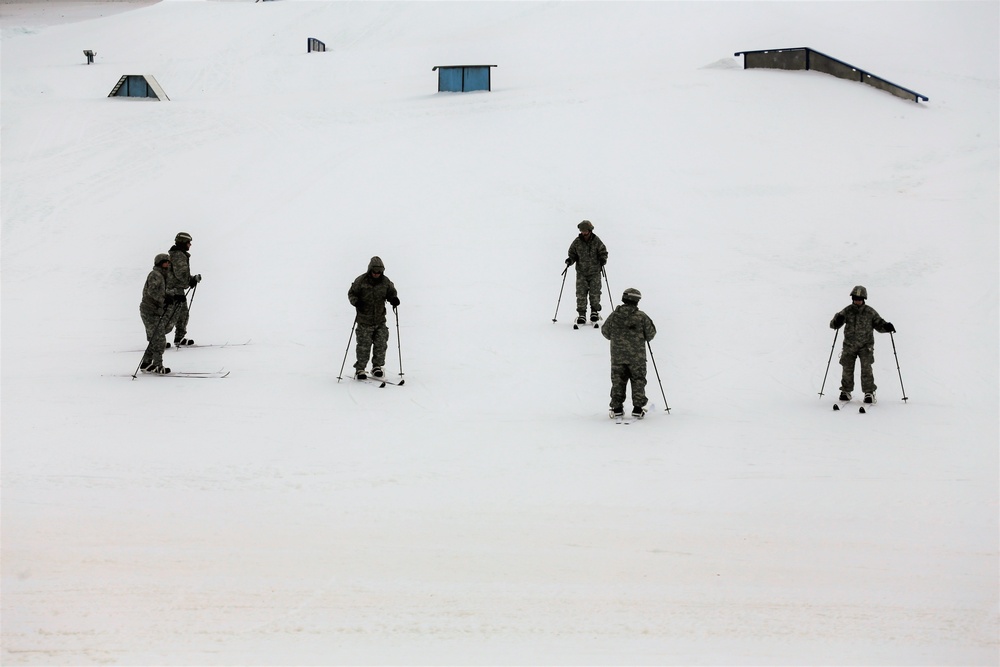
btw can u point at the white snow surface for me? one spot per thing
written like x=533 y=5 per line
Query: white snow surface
x=488 y=512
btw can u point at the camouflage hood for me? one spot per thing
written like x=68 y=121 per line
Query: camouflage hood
x=375 y=264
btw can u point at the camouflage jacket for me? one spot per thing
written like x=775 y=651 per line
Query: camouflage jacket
x=179 y=278
x=154 y=292
x=589 y=256
x=859 y=322
x=628 y=329
x=372 y=294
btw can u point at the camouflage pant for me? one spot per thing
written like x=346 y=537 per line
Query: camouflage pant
x=370 y=337
x=179 y=320
x=620 y=376
x=154 y=324
x=588 y=285
x=847 y=359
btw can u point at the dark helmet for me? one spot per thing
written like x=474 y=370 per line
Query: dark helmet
x=631 y=295
x=182 y=238
x=585 y=226
x=859 y=292
x=160 y=259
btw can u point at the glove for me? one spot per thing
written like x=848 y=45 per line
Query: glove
x=197 y=278
x=838 y=321
x=889 y=328
x=603 y=262
x=569 y=262
x=394 y=301
x=194 y=280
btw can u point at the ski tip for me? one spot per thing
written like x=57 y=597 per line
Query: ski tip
x=836 y=407
x=862 y=410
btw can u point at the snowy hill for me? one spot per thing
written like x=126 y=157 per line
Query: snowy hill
x=488 y=512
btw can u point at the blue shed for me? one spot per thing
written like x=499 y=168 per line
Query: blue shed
x=138 y=85
x=463 y=78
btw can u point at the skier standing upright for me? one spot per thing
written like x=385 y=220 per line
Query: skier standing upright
x=629 y=330
x=590 y=255
x=368 y=294
x=180 y=279
x=155 y=313
x=859 y=321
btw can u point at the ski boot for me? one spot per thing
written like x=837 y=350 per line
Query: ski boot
x=595 y=318
x=845 y=395
x=183 y=342
x=360 y=375
x=870 y=397
x=639 y=413
x=581 y=319
x=377 y=371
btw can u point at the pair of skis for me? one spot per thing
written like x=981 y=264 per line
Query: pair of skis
x=198 y=375
x=380 y=381
x=626 y=419
x=597 y=324
x=862 y=410
x=221 y=373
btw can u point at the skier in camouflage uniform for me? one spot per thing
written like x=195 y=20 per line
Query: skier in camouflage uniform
x=590 y=255
x=153 y=310
x=178 y=280
x=859 y=321
x=629 y=330
x=368 y=294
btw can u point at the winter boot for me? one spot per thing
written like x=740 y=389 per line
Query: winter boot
x=377 y=371
x=616 y=413
x=182 y=342
x=581 y=319
x=869 y=397
x=845 y=395
x=156 y=369
x=360 y=375
x=594 y=317
x=639 y=413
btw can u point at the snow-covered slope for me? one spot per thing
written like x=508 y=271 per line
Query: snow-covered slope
x=488 y=511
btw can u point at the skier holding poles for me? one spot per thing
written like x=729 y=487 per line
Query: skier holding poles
x=629 y=330
x=155 y=313
x=590 y=255
x=368 y=294
x=180 y=279
x=859 y=321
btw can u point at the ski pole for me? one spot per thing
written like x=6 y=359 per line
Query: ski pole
x=192 y=290
x=897 y=366
x=835 y=334
x=610 y=297
x=157 y=332
x=657 y=376
x=350 y=338
x=398 y=348
x=560 y=294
